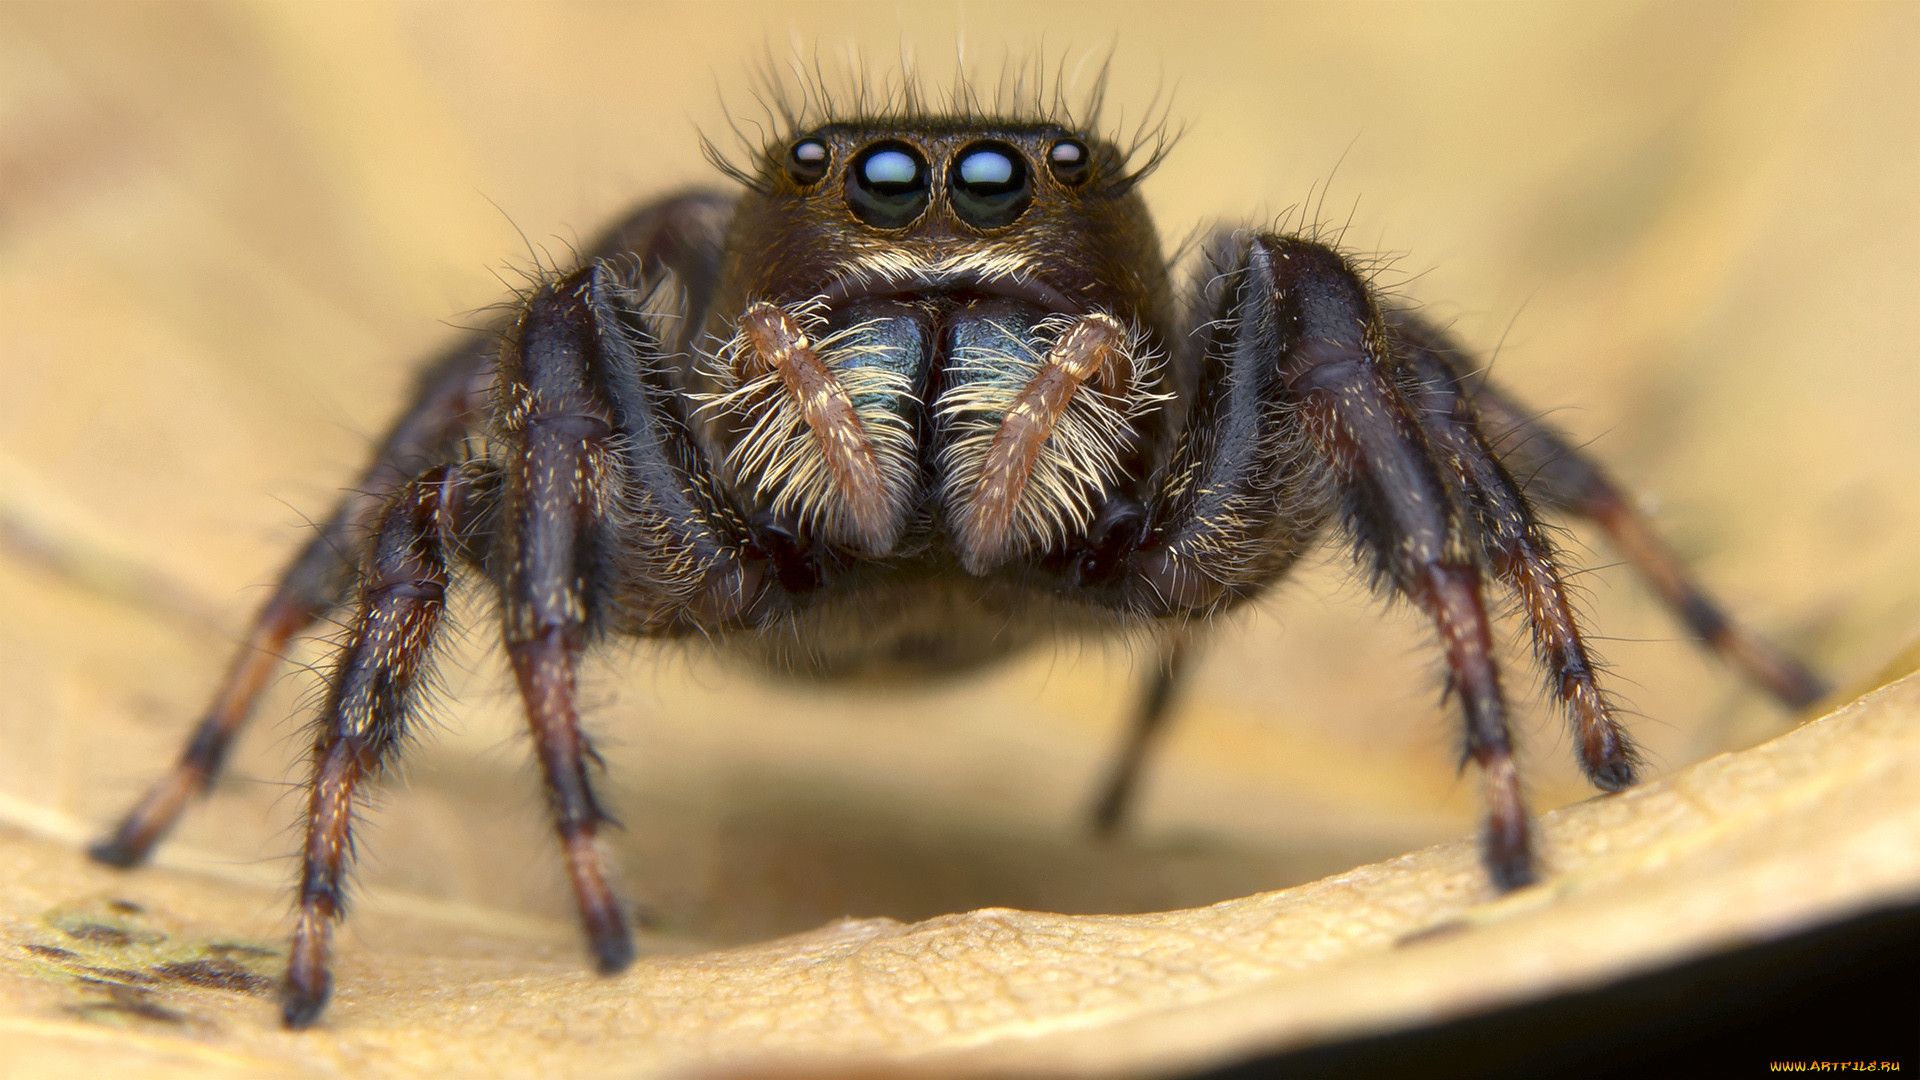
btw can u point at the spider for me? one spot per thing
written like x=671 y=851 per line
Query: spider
x=920 y=395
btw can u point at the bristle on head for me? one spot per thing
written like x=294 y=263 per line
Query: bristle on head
x=798 y=94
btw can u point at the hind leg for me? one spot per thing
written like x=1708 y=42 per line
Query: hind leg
x=1562 y=477
x=1144 y=730
x=452 y=396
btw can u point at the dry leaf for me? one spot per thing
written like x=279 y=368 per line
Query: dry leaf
x=225 y=232
x=1815 y=825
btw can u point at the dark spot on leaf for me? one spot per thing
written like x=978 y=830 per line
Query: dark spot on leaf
x=228 y=948
x=216 y=975
x=118 y=975
x=99 y=933
x=53 y=952
x=126 y=907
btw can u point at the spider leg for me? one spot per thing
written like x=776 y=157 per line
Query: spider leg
x=1522 y=556
x=680 y=234
x=562 y=477
x=1301 y=329
x=451 y=394
x=369 y=699
x=1563 y=477
x=1148 y=723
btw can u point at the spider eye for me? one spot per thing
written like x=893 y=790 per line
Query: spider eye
x=990 y=185
x=887 y=186
x=807 y=161
x=1071 y=161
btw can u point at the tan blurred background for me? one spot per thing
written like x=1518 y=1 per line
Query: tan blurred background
x=227 y=233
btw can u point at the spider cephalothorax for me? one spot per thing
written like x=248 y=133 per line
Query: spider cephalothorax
x=917 y=397
x=982 y=311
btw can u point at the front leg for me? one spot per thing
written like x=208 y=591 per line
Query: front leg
x=1311 y=416
x=552 y=560
x=542 y=520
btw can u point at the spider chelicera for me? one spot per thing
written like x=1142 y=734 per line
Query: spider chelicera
x=920 y=396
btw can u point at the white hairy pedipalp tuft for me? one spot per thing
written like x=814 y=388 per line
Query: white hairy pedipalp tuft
x=778 y=461
x=1080 y=459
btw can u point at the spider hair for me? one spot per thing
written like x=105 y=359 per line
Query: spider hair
x=798 y=94
x=1079 y=460
x=779 y=458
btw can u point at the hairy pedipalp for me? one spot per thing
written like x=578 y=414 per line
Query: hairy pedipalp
x=1062 y=473
x=822 y=445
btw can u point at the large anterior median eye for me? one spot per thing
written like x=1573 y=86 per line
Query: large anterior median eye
x=887 y=186
x=989 y=181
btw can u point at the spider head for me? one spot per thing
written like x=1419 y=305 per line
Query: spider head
x=893 y=291
x=949 y=208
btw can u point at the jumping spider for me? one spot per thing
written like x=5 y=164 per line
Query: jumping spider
x=917 y=398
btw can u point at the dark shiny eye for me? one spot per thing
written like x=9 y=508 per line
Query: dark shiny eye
x=807 y=161
x=1071 y=161
x=989 y=181
x=887 y=186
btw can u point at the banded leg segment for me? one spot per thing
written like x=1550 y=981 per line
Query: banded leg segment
x=562 y=479
x=1522 y=557
x=371 y=694
x=451 y=396
x=1303 y=310
x=680 y=234
x=132 y=840
x=1559 y=475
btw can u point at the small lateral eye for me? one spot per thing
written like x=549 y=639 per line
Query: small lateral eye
x=887 y=185
x=1071 y=161
x=990 y=184
x=807 y=161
